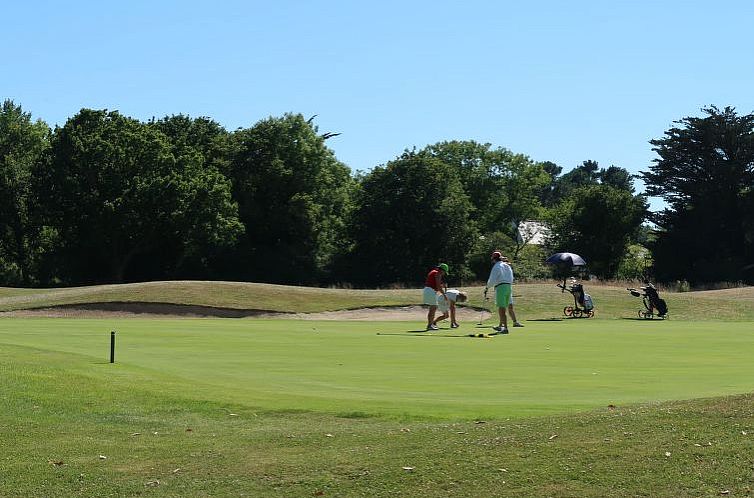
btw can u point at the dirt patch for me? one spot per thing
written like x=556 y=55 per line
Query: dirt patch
x=165 y=310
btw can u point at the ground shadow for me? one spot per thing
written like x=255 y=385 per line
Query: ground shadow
x=413 y=333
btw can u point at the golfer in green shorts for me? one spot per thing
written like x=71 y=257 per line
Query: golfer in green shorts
x=501 y=279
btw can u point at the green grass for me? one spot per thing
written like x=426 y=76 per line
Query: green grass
x=345 y=367
x=608 y=406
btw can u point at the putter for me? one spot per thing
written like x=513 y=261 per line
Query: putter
x=481 y=312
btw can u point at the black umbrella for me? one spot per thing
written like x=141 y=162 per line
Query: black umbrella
x=566 y=259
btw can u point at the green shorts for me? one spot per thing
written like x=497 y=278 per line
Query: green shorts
x=503 y=295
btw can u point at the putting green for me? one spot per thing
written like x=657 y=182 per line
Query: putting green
x=390 y=368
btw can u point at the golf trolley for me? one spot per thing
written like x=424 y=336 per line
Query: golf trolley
x=652 y=302
x=583 y=306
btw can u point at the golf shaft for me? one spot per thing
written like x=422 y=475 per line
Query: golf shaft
x=481 y=311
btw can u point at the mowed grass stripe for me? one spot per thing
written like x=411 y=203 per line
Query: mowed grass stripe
x=345 y=367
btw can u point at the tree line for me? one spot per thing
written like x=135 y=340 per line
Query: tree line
x=108 y=198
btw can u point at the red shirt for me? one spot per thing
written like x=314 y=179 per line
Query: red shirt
x=432 y=279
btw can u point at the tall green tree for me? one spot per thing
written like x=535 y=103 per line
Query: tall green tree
x=411 y=214
x=598 y=222
x=548 y=195
x=503 y=187
x=294 y=197
x=705 y=174
x=587 y=173
x=617 y=177
x=116 y=193
x=23 y=147
x=201 y=135
x=200 y=146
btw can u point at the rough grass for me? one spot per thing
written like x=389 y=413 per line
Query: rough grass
x=238 y=295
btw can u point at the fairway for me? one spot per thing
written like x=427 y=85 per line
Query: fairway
x=390 y=369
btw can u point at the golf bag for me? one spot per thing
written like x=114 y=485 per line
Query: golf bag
x=652 y=302
x=583 y=304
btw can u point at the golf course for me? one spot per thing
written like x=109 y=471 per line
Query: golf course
x=237 y=389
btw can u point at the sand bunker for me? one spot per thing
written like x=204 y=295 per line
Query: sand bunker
x=163 y=310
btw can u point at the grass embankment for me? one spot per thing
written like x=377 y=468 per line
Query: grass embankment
x=233 y=295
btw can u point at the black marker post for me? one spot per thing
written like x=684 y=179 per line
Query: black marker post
x=112 y=346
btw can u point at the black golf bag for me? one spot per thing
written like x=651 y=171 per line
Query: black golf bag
x=652 y=302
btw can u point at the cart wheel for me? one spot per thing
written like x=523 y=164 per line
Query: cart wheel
x=590 y=314
x=641 y=314
x=577 y=313
x=568 y=311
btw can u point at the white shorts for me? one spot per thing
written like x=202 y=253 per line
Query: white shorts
x=430 y=296
x=442 y=304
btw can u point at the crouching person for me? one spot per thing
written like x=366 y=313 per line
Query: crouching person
x=448 y=307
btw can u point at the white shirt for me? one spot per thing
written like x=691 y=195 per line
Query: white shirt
x=501 y=273
x=452 y=295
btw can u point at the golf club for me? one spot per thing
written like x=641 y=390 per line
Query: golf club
x=481 y=312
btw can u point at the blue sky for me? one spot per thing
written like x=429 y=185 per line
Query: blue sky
x=558 y=81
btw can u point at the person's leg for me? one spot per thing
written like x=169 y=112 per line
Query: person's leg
x=503 y=298
x=503 y=322
x=431 y=316
x=443 y=306
x=512 y=313
x=429 y=298
x=453 y=322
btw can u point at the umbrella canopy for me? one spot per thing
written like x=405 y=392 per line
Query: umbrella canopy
x=566 y=259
